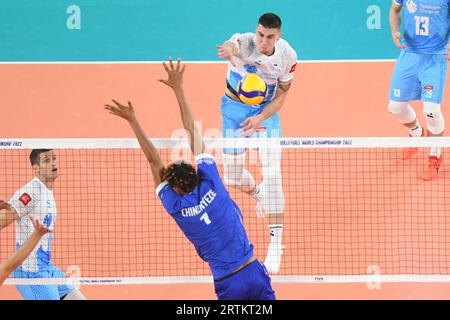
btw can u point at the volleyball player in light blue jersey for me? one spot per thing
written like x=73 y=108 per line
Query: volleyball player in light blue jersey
x=421 y=70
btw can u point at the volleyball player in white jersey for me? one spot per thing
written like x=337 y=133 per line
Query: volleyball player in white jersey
x=36 y=198
x=272 y=58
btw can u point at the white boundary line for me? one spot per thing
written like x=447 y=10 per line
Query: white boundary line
x=284 y=143
x=208 y=279
x=190 y=62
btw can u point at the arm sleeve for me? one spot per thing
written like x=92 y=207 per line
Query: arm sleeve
x=236 y=40
x=291 y=64
x=207 y=167
x=170 y=199
x=243 y=43
x=24 y=202
x=399 y=2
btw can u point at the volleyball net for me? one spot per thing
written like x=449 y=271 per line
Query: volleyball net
x=353 y=212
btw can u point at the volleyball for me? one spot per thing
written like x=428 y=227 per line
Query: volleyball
x=252 y=89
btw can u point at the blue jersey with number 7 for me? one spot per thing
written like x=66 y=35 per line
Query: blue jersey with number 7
x=210 y=219
x=426 y=25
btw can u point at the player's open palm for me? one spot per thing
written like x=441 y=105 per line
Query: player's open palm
x=39 y=227
x=250 y=126
x=120 y=110
x=225 y=52
x=174 y=73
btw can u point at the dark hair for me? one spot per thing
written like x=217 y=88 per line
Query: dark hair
x=35 y=155
x=270 y=20
x=181 y=175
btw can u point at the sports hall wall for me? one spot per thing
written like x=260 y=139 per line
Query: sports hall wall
x=149 y=30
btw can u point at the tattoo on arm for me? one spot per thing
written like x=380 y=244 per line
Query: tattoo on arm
x=284 y=86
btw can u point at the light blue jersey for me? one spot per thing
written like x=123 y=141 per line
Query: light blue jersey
x=421 y=68
x=426 y=25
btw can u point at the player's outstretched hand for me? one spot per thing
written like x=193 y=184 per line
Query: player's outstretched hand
x=225 y=52
x=396 y=37
x=175 y=74
x=250 y=126
x=120 y=110
x=39 y=228
x=4 y=205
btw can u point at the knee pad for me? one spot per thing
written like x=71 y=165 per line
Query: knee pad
x=402 y=110
x=234 y=173
x=433 y=116
x=233 y=167
x=273 y=202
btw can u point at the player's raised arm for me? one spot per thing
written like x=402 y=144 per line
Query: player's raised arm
x=7 y=214
x=20 y=255
x=227 y=51
x=175 y=81
x=127 y=113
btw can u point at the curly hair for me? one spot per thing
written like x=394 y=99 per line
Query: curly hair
x=181 y=175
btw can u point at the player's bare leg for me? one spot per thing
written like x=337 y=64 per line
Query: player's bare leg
x=415 y=130
x=407 y=117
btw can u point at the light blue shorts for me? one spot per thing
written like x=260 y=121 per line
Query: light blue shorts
x=234 y=113
x=419 y=76
x=42 y=292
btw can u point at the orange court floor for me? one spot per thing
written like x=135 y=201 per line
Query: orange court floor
x=346 y=99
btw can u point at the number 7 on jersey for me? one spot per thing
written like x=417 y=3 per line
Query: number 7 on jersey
x=205 y=218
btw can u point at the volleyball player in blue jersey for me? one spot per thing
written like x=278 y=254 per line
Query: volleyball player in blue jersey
x=199 y=203
x=421 y=70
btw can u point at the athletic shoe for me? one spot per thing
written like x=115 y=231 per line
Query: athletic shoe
x=431 y=172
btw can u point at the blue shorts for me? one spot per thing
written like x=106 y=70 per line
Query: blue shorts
x=42 y=292
x=234 y=113
x=250 y=283
x=419 y=76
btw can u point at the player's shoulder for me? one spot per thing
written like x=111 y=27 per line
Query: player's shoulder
x=32 y=188
x=244 y=38
x=287 y=49
x=245 y=35
x=205 y=158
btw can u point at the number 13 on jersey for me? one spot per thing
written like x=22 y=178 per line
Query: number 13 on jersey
x=422 y=25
